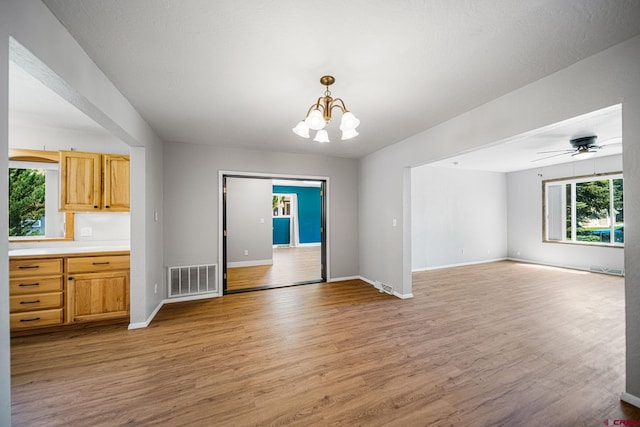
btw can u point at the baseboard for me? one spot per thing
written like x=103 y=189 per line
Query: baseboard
x=402 y=296
x=300 y=245
x=458 y=265
x=189 y=298
x=250 y=263
x=342 y=279
x=395 y=293
x=371 y=282
x=630 y=399
x=570 y=267
x=141 y=325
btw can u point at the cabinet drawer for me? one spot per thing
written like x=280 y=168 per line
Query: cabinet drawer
x=35 y=302
x=97 y=264
x=34 y=267
x=33 y=319
x=31 y=285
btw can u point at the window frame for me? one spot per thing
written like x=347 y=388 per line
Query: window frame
x=24 y=155
x=610 y=176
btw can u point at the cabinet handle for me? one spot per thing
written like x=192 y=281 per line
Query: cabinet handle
x=22 y=285
x=95 y=207
x=107 y=207
x=25 y=267
x=30 y=302
x=70 y=278
x=30 y=320
x=101 y=263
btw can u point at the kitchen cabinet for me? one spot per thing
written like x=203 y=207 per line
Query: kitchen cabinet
x=65 y=289
x=36 y=293
x=91 y=182
x=97 y=288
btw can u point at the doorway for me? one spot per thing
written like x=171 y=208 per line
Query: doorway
x=273 y=232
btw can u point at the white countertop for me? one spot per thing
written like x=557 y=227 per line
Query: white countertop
x=60 y=250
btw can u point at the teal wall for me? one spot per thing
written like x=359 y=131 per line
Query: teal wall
x=309 y=215
x=281 y=230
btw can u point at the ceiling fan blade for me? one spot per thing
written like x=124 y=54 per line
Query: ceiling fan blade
x=555 y=151
x=614 y=141
x=548 y=157
x=610 y=145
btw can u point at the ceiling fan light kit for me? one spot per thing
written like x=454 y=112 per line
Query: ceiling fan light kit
x=319 y=115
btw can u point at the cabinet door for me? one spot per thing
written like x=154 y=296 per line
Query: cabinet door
x=116 y=183
x=98 y=296
x=80 y=181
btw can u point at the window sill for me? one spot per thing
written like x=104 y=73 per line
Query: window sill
x=592 y=244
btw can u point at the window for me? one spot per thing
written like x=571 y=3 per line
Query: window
x=585 y=210
x=281 y=205
x=33 y=203
x=26 y=202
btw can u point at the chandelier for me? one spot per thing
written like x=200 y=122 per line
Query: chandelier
x=319 y=115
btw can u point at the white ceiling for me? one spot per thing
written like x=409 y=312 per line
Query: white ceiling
x=33 y=104
x=531 y=150
x=242 y=73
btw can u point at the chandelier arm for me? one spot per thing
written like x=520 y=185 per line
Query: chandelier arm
x=316 y=106
x=342 y=107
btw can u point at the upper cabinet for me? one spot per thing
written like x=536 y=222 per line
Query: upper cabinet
x=115 y=185
x=91 y=182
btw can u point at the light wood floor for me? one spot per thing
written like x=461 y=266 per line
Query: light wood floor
x=290 y=265
x=489 y=345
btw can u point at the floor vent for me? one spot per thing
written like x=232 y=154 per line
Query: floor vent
x=383 y=287
x=605 y=270
x=192 y=280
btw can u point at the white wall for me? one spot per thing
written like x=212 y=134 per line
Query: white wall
x=249 y=225
x=608 y=78
x=54 y=139
x=457 y=216
x=526 y=218
x=191 y=196
x=77 y=78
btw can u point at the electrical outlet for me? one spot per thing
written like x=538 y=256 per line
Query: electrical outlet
x=155 y=288
x=246 y=252
x=395 y=222
x=86 y=231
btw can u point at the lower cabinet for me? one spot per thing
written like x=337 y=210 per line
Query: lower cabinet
x=36 y=293
x=98 y=296
x=45 y=292
x=97 y=288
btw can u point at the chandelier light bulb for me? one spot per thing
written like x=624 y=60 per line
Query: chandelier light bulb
x=315 y=120
x=349 y=121
x=348 y=134
x=322 y=136
x=301 y=129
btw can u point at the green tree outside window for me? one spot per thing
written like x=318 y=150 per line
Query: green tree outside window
x=26 y=201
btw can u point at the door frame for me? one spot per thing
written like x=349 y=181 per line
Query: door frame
x=222 y=219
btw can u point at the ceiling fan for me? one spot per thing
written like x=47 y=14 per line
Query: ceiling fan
x=581 y=148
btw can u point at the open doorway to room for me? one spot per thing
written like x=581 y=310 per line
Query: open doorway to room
x=273 y=232
x=551 y=196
